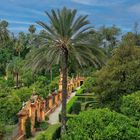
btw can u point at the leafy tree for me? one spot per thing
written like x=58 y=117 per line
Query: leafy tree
x=119 y=77
x=131 y=105
x=66 y=38
x=101 y=124
x=88 y=85
x=14 y=67
x=9 y=107
x=23 y=93
x=109 y=38
x=4 y=33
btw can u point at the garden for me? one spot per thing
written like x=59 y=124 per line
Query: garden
x=107 y=104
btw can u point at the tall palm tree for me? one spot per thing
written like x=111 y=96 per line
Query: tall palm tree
x=14 y=68
x=66 y=39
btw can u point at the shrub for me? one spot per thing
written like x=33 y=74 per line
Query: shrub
x=9 y=107
x=131 y=105
x=76 y=108
x=2 y=129
x=23 y=93
x=88 y=85
x=43 y=125
x=52 y=133
x=28 y=128
x=80 y=91
x=101 y=124
x=70 y=104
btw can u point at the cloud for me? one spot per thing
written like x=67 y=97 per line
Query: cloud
x=135 y=8
x=21 y=22
x=104 y=3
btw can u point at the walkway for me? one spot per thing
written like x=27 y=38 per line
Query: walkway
x=54 y=117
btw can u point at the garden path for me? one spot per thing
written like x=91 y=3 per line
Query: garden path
x=54 y=116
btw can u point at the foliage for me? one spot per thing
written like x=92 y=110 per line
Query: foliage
x=70 y=104
x=28 y=128
x=88 y=85
x=52 y=133
x=2 y=129
x=131 y=105
x=76 y=108
x=119 y=77
x=43 y=125
x=9 y=107
x=27 y=78
x=54 y=84
x=23 y=93
x=101 y=124
x=80 y=91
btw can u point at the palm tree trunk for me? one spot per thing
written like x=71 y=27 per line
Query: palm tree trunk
x=64 y=90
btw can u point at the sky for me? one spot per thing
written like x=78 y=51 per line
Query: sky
x=22 y=13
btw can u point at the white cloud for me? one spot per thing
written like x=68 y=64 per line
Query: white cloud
x=21 y=22
x=100 y=2
x=135 y=9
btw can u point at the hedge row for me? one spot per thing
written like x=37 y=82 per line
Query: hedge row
x=70 y=104
x=52 y=133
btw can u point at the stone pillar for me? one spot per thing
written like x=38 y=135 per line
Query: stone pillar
x=22 y=120
x=50 y=102
x=42 y=111
x=33 y=107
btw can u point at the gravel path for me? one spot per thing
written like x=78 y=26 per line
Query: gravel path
x=54 y=116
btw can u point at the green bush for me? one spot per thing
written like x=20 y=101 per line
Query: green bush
x=23 y=93
x=9 y=107
x=101 y=124
x=70 y=104
x=2 y=129
x=43 y=125
x=88 y=85
x=131 y=105
x=28 y=128
x=76 y=108
x=52 y=133
x=80 y=91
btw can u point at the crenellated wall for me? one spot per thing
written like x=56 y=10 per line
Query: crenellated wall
x=38 y=108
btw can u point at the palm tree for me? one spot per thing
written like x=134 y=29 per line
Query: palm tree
x=32 y=29
x=66 y=39
x=14 y=68
x=4 y=33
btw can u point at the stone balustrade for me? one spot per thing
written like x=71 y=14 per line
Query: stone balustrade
x=38 y=108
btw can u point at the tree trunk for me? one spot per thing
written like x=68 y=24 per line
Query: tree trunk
x=64 y=89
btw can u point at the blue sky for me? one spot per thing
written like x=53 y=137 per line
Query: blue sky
x=22 y=13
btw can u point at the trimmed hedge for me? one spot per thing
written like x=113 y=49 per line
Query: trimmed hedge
x=102 y=124
x=52 y=133
x=70 y=104
x=131 y=105
x=69 y=116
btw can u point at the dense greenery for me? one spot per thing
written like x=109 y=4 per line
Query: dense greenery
x=120 y=76
x=101 y=124
x=52 y=133
x=131 y=105
x=110 y=61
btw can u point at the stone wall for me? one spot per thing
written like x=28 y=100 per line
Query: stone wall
x=38 y=108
